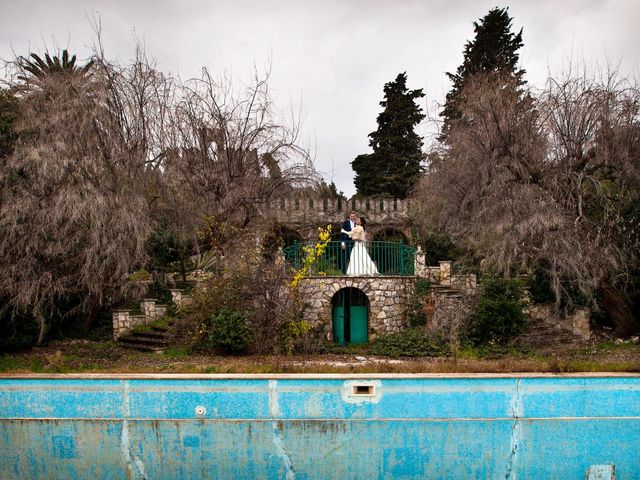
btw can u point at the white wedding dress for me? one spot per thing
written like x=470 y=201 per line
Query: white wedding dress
x=360 y=262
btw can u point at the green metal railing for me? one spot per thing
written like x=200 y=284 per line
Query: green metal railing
x=349 y=258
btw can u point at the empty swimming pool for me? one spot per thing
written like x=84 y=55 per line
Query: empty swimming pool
x=319 y=426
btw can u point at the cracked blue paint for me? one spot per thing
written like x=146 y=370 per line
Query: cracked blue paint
x=311 y=428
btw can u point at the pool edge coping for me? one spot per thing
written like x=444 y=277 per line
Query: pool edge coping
x=308 y=376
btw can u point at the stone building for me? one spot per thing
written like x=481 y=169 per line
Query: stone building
x=356 y=309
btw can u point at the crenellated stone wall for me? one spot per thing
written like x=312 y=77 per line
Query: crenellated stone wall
x=388 y=298
x=305 y=213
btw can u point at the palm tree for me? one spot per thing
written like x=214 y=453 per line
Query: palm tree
x=40 y=69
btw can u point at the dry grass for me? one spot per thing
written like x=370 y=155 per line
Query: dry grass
x=83 y=356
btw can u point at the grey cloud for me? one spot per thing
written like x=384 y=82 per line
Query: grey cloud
x=335 y=55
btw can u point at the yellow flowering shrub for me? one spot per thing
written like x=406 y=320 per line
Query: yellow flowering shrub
x=311 y=254
x=215 y=232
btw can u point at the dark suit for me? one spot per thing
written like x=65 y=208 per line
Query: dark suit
x=348 y=246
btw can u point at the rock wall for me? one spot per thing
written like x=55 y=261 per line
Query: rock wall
x=124 y=321
x=577 y=323
x=304 y=214
x=388 y=298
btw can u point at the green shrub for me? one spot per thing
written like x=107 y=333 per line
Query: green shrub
x=229 y=333
x=498 y=314
x=415 y=310
x=139 y=276
x=415 y=342
x=298 y=336
x=439 y=246
x=166 y=248
x=17 y=333
x=540 y=289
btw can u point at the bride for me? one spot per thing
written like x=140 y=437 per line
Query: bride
x=360 y=262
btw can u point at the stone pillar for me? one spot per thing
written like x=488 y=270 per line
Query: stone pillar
x=420 y=263
x=148 y=307
x=176 y=296
x=137 y=320
x=161 y=310
x=580 y=323
x=121 y=322
x=445 y=272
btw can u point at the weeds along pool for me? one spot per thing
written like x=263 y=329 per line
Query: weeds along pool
x=148 y=426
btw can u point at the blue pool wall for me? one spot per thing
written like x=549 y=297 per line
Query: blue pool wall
x=318 y=426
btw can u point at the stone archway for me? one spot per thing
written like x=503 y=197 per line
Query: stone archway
x=350 y=316
x=389 y=234
x=388 y=297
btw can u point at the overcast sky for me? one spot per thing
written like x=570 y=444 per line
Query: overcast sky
x=331 y=57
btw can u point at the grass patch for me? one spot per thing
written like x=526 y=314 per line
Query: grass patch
x=162 y=322
x=177 y=352
x=493 y=352
x=570 y=366
x=8 y=362
x=142 y=329
x=105 y=346
x=610 y=346
x=36 y=365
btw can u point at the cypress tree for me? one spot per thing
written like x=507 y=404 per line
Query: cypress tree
x=494 y=49
x=394 y=165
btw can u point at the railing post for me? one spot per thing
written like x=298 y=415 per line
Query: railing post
x=296 y=254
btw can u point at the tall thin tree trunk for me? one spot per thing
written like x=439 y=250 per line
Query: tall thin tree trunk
x=92 y=314
x=618 y=310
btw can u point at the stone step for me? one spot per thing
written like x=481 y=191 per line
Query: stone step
x=446 y=292
x=151 y=334
x=542 y=337
x=144 y=348
x=142 y=339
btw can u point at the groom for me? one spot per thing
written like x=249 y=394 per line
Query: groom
x=347 y=243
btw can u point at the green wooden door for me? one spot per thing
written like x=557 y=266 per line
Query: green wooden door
x=338 y=325
x=358 y=324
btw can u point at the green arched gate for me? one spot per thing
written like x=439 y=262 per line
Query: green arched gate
x=350 y=316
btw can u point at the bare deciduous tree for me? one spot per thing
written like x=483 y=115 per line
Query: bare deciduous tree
x=543 y=183
x=73 y=216
x=105 y=152
x=231 y=154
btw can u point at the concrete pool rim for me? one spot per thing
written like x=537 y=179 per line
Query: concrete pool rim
x=313 y=376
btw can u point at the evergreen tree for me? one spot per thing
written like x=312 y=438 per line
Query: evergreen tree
x=493 y=50
x=394 y=165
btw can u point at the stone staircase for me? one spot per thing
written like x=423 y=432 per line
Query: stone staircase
x=156 y=339
x=548 y=328
x=124 y=321
x=540 y=335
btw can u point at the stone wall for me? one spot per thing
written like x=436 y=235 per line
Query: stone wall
x=443 y=274
x=305 y=209
x=124 y=321
x=305 y=213
x=577 y=323
x=388 y=297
